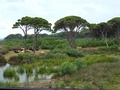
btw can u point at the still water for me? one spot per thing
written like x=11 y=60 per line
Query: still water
x=22 y=78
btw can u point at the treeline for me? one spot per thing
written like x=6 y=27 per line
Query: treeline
x=72 y=27
x=60 y=35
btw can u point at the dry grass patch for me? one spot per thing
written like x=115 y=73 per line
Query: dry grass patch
x=12 y=53
x=9 y=54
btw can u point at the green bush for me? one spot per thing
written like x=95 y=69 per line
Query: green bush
x=9 y=84
x=109 y=48
x=47 y=46
x=2 y=59
x=36 y=77
x=9 y=73
x=55 y=55
x=42 y=70
x=90 y=59
x=67 y=68
x=73 y=52
x=20 y=70
x=60 y=84
x=28 y=57
x=80 y=63
x=3 y=51
x=14 y=60
x=29 y=71
x=60 y=55
x=93 y=42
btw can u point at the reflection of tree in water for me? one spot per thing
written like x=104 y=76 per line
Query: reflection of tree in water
x=29 y=73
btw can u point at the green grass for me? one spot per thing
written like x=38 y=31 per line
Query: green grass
x=93 y=70
x=20 y=70
x=105 y=76
x=9 y=84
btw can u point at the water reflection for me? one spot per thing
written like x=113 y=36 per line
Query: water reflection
x=22 y=77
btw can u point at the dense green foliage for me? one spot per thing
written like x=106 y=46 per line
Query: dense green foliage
x=71 y=25
x=93 y=64
x=67 y=68
x=10 y=73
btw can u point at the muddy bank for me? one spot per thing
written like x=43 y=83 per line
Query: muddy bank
x=49 y=83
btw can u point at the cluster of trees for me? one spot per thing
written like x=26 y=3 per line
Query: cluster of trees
x=71 y=26
x=27 y=23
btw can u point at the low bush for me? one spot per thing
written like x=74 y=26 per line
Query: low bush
x=60 y=84
x=9 y=84
x=109 y=48
x=20 y=70
x=9 y=73
x=27 y=57
x=2 y=59
x=67 y=68
x=55 y=55
x=73 y=52
x=29 y=71
x=46 y=46
x=60 y=55
x=3 y=51
x=42 y=70
x=80 y=63
x=90 y=59
x=14 y=60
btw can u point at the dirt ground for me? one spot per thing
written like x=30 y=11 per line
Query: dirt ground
x=41 y=84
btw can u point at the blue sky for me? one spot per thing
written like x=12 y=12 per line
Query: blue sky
x=94 y=11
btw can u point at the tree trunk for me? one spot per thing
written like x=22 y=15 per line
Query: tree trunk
x=25 y=42
x=71 y=38
x=34 y=43
x=105 y=39
x=104 y=35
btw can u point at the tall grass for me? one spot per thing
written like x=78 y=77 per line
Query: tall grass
x=10 y=73
x=20 y=70
x=9 y=84
x=91 y=59
x=100 y=76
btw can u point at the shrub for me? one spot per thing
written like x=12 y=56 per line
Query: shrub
x=60 y=55
x=36 y=77
x=42 y=70
x=3 y=51
x=80 y=63
x=29 y=71
x=67 y=68
x=90 y=59
x=13 y=60
x=55 y=55
x=27 y=57
x=73 y=53
x=9 y=73
x=60 y=84
x=20 y=70
x=49 y=55
x=114 y=47
x=10 y=84
x=2 y=59
x=109 y=48
x=46 y=46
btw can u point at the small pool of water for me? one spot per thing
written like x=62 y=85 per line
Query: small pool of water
x=22 y=78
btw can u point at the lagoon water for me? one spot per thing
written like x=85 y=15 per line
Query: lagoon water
x=22 y=78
